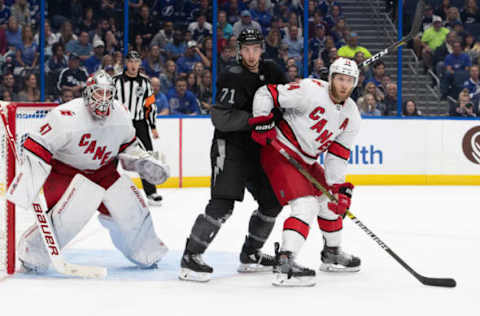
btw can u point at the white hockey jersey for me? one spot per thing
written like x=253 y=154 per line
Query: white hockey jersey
x=73 y=137
x=312 y=123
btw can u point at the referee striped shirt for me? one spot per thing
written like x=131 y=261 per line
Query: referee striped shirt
x=137 y=95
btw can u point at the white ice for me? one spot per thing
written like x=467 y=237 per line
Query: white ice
x=434 y=229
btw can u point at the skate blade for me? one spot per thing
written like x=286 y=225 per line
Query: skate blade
x=189 y=275
x=282 y=280
x=331 y=267
x=253 y=267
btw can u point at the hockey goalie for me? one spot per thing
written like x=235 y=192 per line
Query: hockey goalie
x=74 y=157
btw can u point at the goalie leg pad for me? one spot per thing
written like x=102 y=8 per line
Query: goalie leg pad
x=130 y=224
x=297 y=226
x=330 y=224
x=69 y=215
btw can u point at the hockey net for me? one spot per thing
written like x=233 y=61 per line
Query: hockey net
x=22 y=118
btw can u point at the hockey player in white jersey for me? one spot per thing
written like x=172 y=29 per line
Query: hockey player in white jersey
x=318 y=117
x=74 y=157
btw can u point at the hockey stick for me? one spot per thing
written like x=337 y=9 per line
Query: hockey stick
x=416 y=24
x=39 y=207
x=444 y=282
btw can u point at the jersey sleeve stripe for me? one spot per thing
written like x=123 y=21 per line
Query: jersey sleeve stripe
x=272 y=88
x=339 y=150
x=330 y=226
x=287 y=131
x=297 y=225
x=124 y=146
x=38 y=150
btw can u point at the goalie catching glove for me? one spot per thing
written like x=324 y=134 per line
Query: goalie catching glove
x=145 y=164
x=343 y=193
x=263 y=128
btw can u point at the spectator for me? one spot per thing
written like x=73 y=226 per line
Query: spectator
x=161 y=101
x=373 y=90
x=292 y=72
x=65 y=96
x=473 y=83
x=471 y=48
x=378 y=73
x=260 y=14
x=21 y=10
x=358 y=90
x=153 y=64
x=6 y=96
x=164 y=36
x=27 y=53
x=227 y=59
x=332 y=55
x=198 y=69
x=295 y=43
x=442 y=10
x=181 y=100
x=66 y=34
x=334 y=16
x=88 y=23
x=9 y=84
x=465 y=106
x=359 y=59
x=455 y=63
x=326 y=6
x=410 y=109
x=139 y=46
x=81 y=47
x=233 y=7
x=317 y=42
x=352 y=47
x=186 y=62
x=169 y=77
x=205 y=94
x=245 y=22
x=145 y=26
x=13 y=33
x=432 y=38
x=58 y=60
x=74 y=77
x=470 y=13
x=50 y=39
x=201 y=28
x=30 y=92
x=369 y=106
x=442 y=51
x=177 y=47
x=93 y=63
x=453 y=16
x=4 y=14
x=223 y=23
x=427 y=21
x=391 y=99
x=319 y=70
x=205 y=53
x=292 y=22
x=118 y=62
x=103 y=26
x=272 y=43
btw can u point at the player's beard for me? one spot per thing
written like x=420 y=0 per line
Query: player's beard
x=339 y=95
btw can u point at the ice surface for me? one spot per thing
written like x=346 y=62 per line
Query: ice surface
x=434 y=229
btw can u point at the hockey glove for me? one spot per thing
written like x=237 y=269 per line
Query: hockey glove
x=263 y=129
x=343 y=193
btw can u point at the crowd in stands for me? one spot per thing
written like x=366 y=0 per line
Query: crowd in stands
x=449 y=46
x=174 y=39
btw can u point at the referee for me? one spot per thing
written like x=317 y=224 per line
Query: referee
x=135 y=92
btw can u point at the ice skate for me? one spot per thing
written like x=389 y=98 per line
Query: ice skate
x=335 y=260
x=288 y=273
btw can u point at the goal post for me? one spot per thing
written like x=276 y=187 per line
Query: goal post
x=22 y=118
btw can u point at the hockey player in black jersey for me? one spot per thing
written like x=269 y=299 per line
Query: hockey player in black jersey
x=235 y=161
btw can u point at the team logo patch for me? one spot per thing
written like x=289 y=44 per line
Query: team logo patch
x=139 y=91
x=471 y=145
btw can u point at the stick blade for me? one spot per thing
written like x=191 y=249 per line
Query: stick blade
x=442 y=282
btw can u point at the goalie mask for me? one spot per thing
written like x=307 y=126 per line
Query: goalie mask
x=344 y=66
x=99 y=94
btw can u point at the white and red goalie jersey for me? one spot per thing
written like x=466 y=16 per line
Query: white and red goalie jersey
x=71 y=136
x=312 y=123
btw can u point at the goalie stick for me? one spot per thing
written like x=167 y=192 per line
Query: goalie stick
x=443 y=282
x=39 y=207
x=416 y=24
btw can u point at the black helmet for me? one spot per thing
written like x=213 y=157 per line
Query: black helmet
x=134 y=55
x=250 y=35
